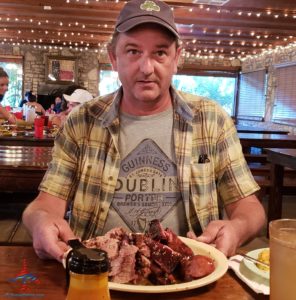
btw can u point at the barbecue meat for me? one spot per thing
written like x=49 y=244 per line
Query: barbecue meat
x=176 y=244
x=159 y=277
x=166 y=258
x=196 y=267
x=123 y=267
x=156 y=231
x=158 y=256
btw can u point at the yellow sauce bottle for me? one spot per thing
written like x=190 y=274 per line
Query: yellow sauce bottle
x=88 y=270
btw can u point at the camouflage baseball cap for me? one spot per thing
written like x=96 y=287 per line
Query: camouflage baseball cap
x=137 y=12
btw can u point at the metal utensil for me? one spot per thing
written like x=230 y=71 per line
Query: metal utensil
x=254 y=259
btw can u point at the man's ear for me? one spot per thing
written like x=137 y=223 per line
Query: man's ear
x=112 y=57
x=176 y=60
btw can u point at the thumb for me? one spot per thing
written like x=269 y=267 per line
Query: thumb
x=65 y=232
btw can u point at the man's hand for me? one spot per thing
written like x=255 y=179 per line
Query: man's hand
x=44 y=218
x=11 y=119
x=50 y=238
x=245 y=219
x=222 y=234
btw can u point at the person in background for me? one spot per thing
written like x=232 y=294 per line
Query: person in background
x=50 y=109
x=146 y=152
x=4 y=82
x=58 y=103
x=32 y=102
x=26 y=99
x=79 y=96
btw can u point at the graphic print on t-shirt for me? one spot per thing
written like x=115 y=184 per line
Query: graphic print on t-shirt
x=147 y=186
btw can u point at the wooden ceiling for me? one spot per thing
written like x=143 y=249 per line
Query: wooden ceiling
x=235 y=29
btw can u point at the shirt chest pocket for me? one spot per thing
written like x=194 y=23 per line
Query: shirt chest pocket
x=202 y=177
x=203 y=191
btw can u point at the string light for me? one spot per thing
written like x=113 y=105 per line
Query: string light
x=241 y=13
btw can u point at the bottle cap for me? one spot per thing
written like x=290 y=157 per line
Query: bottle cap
x=88 y=261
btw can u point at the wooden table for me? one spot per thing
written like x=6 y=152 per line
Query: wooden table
x=279 y=159
x=26 y=141
x=22 y=168
x=267 y=140
x=252 y=129
x=48 y=281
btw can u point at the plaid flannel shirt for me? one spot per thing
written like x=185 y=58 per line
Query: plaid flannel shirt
x=86 y=161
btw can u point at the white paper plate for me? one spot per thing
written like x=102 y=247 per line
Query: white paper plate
x=252 y=266
x=221 y=266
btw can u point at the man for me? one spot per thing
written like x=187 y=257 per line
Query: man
x=32 y=102
x=78 y=97
x=146 y=152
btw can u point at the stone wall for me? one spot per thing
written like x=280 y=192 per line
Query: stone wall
x=35 y=63
x=268 y=60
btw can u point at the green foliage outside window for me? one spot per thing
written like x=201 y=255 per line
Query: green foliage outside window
x=109 y=82
x=14 y=94
x=221 y=89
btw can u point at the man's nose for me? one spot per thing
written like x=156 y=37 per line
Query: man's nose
x=146 y=65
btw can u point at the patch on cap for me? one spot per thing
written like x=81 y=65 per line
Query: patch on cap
x=150 y=6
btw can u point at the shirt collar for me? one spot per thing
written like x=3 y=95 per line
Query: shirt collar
x=106 y=108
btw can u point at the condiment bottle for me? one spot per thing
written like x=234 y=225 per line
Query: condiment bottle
x=88 y=270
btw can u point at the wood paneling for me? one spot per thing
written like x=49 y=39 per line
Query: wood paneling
x=236 y=29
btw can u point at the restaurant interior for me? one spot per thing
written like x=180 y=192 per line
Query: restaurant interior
x=249 y=46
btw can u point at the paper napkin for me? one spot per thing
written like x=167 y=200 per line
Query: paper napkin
x=256 y=282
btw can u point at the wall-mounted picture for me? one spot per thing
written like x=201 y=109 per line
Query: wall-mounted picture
x=61 y=69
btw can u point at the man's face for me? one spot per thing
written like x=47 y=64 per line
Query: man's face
x=4 y=81
x=71 y=105
x=146 y=59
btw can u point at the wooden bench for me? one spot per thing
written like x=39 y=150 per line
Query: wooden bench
x=260 y=169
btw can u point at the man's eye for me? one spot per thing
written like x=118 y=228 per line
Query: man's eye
x=160 y=53
x=132 y=51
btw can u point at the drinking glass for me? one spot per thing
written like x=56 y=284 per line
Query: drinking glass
x=282 y=234
x=38 y=127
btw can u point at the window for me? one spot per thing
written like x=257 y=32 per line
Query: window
x=109 y=82
x=221 y=89
x=14 y=69
x=285 y=91
x=251 y=103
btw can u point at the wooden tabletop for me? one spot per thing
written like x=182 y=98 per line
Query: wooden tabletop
x=22 y=157
x=46 y=280
x=22 y=168
x=23 y=140
x=253 y=129
x=267 y=140
x=279 y=158
x=283 y=157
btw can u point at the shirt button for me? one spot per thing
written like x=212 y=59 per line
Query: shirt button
x=102 y=209
x=110 y=178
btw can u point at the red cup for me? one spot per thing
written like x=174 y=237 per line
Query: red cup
x=18 y=115
x=38 y=128
x=46 y=118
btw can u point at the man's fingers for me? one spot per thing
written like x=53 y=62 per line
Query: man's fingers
x=52 y=252
x=191 y=235
x=65 y=232
x=210 y=233
x=206 y=237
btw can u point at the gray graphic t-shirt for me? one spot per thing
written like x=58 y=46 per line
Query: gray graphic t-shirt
x=147 y=187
